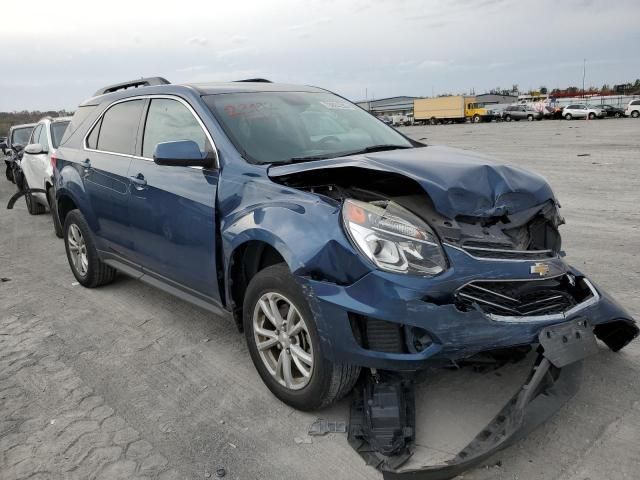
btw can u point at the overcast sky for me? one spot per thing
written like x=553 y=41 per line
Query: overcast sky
x=55 y=54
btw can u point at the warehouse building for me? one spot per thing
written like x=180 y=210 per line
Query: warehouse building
x=389 y=106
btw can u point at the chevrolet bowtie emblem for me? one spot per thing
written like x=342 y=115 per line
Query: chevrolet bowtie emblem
x=540 y=268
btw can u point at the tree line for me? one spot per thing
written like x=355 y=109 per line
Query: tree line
x=7 y=119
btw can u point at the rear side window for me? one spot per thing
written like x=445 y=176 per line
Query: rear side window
x=57 y=132
x=169 y=120
x=120 y=127
x=78 y=118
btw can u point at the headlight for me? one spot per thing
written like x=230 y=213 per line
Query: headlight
x=393 y=238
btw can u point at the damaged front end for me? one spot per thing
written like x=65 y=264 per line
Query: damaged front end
x=466 y=264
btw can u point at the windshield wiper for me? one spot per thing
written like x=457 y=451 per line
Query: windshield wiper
x=375 y=148
x=370 y=149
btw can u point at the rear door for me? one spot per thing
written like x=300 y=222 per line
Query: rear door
x=109 y=148
x=172 y=209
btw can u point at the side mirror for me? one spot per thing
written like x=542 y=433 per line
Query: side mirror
x=34 y=149
x=17 y=148
x=181 y=153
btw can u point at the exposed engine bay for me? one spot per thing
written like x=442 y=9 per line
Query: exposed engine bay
x=529 y=234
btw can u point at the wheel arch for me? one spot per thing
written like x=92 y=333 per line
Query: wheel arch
x=245 y=261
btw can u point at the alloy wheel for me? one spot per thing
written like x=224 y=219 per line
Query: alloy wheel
x=283 y=341
x=77 y=250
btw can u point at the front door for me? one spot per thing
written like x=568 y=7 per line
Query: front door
x=172 y=209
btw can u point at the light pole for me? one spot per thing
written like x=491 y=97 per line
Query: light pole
x=584 y=72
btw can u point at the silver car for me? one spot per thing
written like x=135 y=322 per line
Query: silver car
x=36 y=164
x=582 y=110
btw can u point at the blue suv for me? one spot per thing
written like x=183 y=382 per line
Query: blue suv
x=334 y=241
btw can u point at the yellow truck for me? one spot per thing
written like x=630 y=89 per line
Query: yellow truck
x=449 y=110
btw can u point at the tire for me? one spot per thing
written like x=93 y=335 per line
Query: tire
x=433 y=121
x=53 y=208
x=327 y=382
x=507 y=118
x=635 y=114
x=476 y=119
x=568 y=116
x=33 y=206
x=96 y=273
x=9 y=174
x=592 y=116
x=617 y=115
x=529 y=118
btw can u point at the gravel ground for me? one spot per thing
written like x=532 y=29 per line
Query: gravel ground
x=127 y=382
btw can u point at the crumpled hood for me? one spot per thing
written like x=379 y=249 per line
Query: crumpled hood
x=459 y=182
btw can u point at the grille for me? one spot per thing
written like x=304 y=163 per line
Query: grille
x=504 y=253
x=523 y=298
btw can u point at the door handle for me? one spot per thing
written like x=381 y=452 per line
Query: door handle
x=139 y=181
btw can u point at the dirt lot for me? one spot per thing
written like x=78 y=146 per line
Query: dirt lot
x=127 y=382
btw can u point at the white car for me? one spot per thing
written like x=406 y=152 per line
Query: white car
x=633 y=109
x=582 y=111
x=36 y=165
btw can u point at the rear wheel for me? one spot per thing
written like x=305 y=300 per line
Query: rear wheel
x=33 y=206
x=285 y=346
x=83 y=257
x=635 y=114
x=617 y=115
x=433 y=121
x=530 y=118
x=507 y=118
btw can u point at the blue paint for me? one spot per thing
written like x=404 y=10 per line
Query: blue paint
x=182 y=225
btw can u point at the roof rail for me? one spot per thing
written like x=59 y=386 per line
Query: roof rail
x=255 y=80
x=141 y=82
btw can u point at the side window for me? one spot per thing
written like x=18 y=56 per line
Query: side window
x=35 y=134
x=120 y=127
x=169 y=120
x=42 y=140
x=635 y=102
x=92 y=139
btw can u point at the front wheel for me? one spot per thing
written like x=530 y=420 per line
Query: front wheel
x=507 y=118
x=33 y=206
x=568 y=116
x=592 y=116
x=476 y=119
x=530 y=118
x=285 y=345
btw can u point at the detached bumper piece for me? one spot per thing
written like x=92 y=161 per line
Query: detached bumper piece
x=383 y=414
x=28 y=191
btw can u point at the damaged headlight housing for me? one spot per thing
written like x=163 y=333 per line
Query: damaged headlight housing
x=393 y=238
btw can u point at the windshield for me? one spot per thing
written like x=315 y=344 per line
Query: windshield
x=57 y=131
x=20 y=136
x=280 y=127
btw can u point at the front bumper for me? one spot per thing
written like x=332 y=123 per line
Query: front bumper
x=419 y=302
